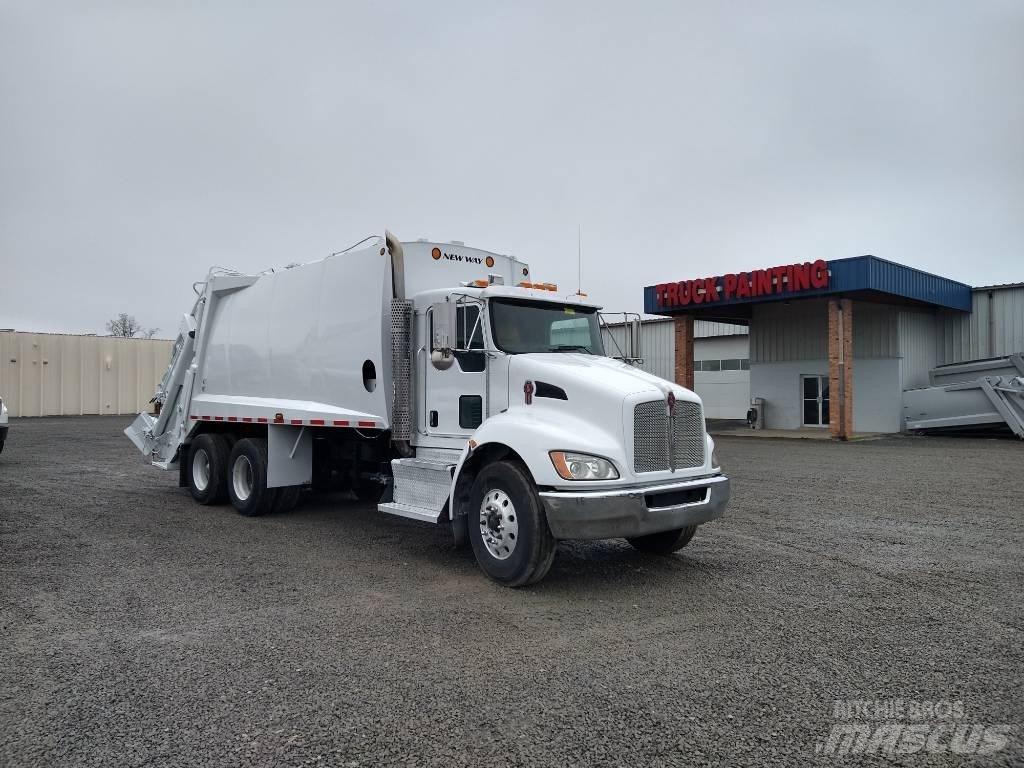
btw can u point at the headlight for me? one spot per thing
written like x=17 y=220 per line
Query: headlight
x=582 y=466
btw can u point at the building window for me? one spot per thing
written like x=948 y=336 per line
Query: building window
x=732 y=364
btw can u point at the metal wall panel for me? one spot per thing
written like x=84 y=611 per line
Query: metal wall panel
x=703 y=329
x=657 y=345
x=968 y=337
x=796 y=331
x=658 y=342
x=919 y=346
x=875 y=330
x=44 y=374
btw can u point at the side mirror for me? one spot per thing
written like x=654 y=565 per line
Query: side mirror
x=443 y=339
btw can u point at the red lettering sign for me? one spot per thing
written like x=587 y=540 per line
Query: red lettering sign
x=791 y=278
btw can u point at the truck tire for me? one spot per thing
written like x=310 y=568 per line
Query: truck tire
x=287 y=498
x=371 y=492
x=206 y=469
x=247 y=478
x=665 y=542
x=508 y=528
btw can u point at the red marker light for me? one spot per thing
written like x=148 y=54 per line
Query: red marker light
x=528 y=392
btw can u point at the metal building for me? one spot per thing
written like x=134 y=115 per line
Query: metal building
x=50 y=374
x=837 y=344
x=721 y=361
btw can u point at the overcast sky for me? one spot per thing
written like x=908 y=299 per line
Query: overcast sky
x=142 y=142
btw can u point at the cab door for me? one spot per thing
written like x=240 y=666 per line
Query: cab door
x=456 y=397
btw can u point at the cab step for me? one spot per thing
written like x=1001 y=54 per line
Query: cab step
x=421 y=487
x=413 y=513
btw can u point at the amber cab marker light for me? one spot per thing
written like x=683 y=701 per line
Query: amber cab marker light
x=489 y=261
x=435 y=254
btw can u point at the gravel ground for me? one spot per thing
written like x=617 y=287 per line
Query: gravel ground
x=139 y=628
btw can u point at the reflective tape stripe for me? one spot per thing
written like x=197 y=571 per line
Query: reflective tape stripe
x=292 y=422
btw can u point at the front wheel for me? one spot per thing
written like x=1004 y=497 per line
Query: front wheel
x=665 y=542
x=508 y=528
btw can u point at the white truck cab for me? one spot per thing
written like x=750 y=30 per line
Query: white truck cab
x=445 y=383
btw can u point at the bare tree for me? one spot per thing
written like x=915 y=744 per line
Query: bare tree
x=126 y=326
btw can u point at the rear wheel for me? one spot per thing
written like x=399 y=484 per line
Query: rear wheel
x=287 y=498
x=665 y=542
x=507 y=526
x=247 y=478
x=206 y=469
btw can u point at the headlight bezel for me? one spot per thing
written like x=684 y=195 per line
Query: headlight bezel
x=562 y=460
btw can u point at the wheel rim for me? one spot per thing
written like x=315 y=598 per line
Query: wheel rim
x=241 y=478
x=201 y=470
x=499 y=524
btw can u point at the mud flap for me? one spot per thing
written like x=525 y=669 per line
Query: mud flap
x=289 y=455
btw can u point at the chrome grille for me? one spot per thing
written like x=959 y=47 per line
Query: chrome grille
x=651 y=437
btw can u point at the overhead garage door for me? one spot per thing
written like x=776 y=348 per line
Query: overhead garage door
x=722 y=376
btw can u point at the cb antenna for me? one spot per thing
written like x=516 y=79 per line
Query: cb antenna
x=579 y=260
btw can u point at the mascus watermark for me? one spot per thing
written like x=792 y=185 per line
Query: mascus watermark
x=909 y=726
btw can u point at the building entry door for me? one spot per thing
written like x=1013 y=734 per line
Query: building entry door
x=814 y=393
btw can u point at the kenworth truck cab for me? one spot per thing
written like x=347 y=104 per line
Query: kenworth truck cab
x=445 y=384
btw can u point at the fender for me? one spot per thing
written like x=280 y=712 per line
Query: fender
x=533 y=431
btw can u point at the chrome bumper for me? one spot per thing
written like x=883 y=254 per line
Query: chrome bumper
x=635 y=511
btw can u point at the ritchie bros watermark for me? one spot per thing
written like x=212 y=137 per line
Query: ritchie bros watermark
x=909 y=726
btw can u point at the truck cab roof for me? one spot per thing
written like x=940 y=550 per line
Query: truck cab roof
x=507 y=292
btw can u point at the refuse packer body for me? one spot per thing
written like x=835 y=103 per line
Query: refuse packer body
x=442 y=383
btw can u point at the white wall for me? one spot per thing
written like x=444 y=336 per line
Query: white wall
x=50 y=374
x=779 y=385
x=877 y=398
x=877 y=395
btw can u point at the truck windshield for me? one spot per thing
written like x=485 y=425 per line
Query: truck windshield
x=539 y=326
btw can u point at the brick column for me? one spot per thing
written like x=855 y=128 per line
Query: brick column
x=684 y=350
x=840 y=368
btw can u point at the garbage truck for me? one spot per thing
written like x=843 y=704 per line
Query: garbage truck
x=445 y=384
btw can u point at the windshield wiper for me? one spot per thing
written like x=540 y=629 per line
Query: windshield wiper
x=570 y=347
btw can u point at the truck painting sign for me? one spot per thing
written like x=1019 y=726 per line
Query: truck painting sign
x=737 y=286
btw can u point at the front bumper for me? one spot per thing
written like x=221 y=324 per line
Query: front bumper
x=637 y=511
